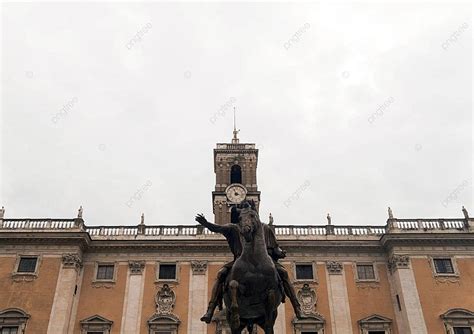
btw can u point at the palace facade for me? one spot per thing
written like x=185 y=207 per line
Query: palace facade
x=405 y=276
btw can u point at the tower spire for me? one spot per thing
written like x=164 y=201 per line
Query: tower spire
x=235 y=140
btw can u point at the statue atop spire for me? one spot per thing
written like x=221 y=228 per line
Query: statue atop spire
x=464 y=211
x=235 y=140
x=390 y=213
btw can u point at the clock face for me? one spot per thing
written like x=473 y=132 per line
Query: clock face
x=236 y=193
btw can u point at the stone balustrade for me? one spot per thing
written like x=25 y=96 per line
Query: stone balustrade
x=35 y=224
x=428 y=225
x=393 y=226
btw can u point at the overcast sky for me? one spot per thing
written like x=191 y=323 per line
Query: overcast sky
x=355 y=107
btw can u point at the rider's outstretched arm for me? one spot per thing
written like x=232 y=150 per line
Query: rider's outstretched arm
x=222 y=229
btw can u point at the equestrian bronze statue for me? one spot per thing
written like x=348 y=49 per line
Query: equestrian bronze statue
x=254 y=283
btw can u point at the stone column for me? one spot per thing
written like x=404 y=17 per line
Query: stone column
x=133 y=298
x=197 y=304
x=410 y=318
x=64 y=294
x=338 y=298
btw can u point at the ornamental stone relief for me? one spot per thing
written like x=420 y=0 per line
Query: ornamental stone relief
x=103 y=285
x=334 y=267
x=165 y=300
x=72 y=260
x=18 y=278
x=136 y=267
x=397 y=261
x=199 y=267
x=308 y=299
x=447 y=280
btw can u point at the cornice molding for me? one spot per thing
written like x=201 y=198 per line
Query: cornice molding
x=294 y=245
x=391 y=240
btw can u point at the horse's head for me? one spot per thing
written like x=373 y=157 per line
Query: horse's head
x=247 y=219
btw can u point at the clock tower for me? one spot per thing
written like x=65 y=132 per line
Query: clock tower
x=235 y=166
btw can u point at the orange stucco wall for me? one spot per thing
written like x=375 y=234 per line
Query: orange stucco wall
x=322 y=298
x=366 y=299
x=438 y=296
x=181 y=289
x=106 y=301
x=35 y=297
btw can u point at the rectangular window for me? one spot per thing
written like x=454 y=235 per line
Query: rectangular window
x=9 y=330
x=462 y=330
x=167 y=271
x=376 y=332
x=304 y=271
x=105 y=271
x=365 y=272
x=27 y=265
x=95 y=332
x=443 y=266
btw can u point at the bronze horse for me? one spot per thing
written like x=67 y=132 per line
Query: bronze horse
x=253 y=290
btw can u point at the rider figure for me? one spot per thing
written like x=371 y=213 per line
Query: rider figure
x=231 y=233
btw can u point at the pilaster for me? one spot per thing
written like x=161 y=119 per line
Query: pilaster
x=338 y=298
x=133 y=297
x=405 y=296
x=197 y=303
x=65 y=293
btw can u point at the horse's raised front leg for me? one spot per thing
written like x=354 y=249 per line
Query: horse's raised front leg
x=234 y=306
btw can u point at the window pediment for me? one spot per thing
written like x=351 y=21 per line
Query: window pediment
x=375 y=318
x=458 y=313
x=375 y=322
x=163 y=322
x=310 y=319
x=310 y=323
x=96 y=323
x=14 y=317
x=457 y=316
x=14 y=313
x=170 y=319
